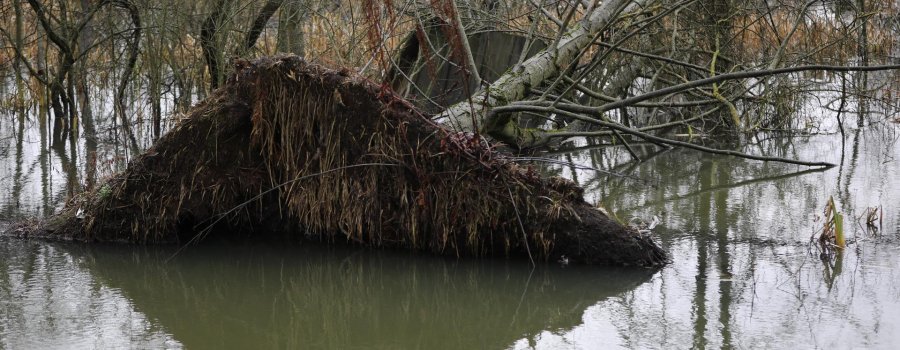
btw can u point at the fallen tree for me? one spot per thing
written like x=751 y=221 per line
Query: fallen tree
x=295 y=149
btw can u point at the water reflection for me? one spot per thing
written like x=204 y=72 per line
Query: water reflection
x=744 y=273
x=48 y=301
x=297 y=297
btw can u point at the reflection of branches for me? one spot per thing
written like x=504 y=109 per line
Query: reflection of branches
x=575 y=166
x=730 y=186
x=621 y=170
x=627 y=168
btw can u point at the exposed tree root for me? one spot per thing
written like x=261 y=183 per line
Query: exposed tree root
x=291 y=148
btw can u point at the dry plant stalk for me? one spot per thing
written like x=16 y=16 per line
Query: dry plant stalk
x=874 y=219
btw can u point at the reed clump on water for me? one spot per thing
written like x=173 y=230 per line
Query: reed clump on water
x=296 y=149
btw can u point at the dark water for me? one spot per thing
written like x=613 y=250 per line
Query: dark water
x=265 y=297
x=743 y=275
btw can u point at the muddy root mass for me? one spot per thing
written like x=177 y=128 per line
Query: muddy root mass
x=293 y=148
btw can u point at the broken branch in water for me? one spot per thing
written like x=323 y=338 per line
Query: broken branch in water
x=646 y=136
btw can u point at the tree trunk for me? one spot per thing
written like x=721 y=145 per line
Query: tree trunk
x=514 y=85
x=17 y=62
x=133 y=52
x=211 y=44
x=259 y=24
x=862 y=49
x=290 y=27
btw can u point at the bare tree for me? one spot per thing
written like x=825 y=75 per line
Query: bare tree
x=544 y=83
x=621 y=69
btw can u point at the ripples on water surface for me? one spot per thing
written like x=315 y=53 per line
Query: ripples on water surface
x=738 y=232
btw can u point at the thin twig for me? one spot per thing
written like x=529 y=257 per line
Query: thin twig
x=578 y=166
x=464 y=41
x=521 y=226
x=652 y=138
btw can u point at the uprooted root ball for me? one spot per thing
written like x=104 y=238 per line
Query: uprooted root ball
x=292 y=148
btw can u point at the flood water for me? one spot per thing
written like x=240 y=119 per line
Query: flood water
x=743 y=271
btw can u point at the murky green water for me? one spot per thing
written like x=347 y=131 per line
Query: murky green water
x=743 y=274
x=264 y=297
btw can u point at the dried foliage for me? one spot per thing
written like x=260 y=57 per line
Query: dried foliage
x=874 y=219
